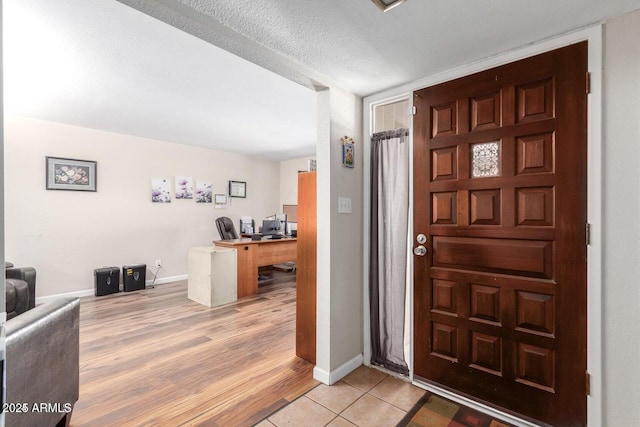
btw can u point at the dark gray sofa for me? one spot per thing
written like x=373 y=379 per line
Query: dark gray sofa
x=28 y=274
x=42 y=363
x=16 y=297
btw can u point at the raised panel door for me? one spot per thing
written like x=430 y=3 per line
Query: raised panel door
x=500 y=193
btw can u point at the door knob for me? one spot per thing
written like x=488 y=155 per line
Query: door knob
x=420 y=250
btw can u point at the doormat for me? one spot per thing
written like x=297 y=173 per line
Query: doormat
x=436 y=411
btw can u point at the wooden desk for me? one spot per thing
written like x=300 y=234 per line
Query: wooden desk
x=258 y=253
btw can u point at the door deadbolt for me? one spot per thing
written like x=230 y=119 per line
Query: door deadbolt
x=420 y=250
x=421 y=238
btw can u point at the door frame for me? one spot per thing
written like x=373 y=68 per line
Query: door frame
x=593 y=35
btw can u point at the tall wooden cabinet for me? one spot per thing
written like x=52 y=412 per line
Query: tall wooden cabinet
x=306 y=268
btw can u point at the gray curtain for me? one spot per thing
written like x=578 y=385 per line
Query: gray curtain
x=389 y=230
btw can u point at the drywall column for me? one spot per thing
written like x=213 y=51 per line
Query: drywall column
x=621 y=224
x=339 y=282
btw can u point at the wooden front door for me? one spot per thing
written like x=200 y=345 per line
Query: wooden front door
x=500 y=196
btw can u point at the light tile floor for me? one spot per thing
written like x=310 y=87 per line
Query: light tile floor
x=365 y=398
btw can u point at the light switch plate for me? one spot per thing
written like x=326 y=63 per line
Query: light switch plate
x=344 y=205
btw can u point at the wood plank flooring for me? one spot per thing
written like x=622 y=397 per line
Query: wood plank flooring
x=155 y=358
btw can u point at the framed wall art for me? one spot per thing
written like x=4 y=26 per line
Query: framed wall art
x=237 y=189
x=71 y=174
x=160 y=190
x=184 y=187
x=347 y=151
x=203 y=191
x=221 y=201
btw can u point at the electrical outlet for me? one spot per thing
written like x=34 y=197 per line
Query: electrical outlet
x=158 y=263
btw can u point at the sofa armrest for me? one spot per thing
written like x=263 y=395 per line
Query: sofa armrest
x=28 y=274
x=43 y=363
x=16 y=297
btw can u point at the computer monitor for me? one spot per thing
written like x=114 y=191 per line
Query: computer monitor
x=282 y=222
x=270 y=227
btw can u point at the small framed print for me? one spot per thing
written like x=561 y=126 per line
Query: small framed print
x=237 y=189
x=347 y=155
x=71 y=174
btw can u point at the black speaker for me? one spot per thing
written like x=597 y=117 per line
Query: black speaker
x=107 y=280
x=133 y=277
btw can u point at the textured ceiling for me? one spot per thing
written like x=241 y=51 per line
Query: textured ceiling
x=353 y=44
x=101 y=64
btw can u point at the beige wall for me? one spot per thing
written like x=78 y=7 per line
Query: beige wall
x=621 y=213
x=67 y=234
x=289 y=179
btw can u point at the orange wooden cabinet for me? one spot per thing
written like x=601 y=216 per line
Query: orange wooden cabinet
x=306 y=268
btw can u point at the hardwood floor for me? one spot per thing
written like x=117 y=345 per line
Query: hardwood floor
x=153 y=357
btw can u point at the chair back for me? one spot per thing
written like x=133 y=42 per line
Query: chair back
x=226 y=229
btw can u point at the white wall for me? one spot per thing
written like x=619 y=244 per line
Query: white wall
x=621 y=213
x=339 y=294
x=65 y=235
x=346 y=231
x=322 y=371
x=2 y=285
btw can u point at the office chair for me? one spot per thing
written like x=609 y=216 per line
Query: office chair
x=226 y=229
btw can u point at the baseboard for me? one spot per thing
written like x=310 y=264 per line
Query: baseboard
x=83 y=293
x=330 y=378
x=91 y=292
x=167 y=280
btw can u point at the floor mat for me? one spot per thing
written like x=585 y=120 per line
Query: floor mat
x=436 y=411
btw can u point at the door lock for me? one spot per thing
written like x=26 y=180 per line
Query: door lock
x=421 y=239
x=420 y=250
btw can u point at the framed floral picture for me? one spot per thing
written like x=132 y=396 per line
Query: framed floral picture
x=160 y=190
x=71 y=174
x=203 y=191
x=184 y=187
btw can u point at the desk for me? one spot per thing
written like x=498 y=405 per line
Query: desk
x=258 y=253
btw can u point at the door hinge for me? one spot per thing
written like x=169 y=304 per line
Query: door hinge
x=588 y=88
x=588 y=234
x=413 y=111
x=588 y=383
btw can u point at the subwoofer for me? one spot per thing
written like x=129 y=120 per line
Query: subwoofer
x=107 y=280
x=133 y=277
